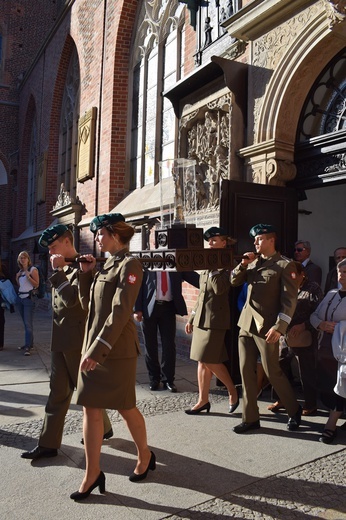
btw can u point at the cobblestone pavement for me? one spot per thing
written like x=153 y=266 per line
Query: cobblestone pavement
x=314 y=490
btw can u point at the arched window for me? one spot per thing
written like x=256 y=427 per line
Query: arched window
x=320 y=153
x=32 y=176
x=69 y=128
x=0 y=52
x=157 y=60
x=325 y=109
x=3 y=174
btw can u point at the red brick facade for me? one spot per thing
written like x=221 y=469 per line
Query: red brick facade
x=21 y=38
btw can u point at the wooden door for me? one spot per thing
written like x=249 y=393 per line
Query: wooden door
x=242 y=206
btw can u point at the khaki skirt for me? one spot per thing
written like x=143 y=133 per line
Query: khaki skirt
x=208 y=345
x=111 y=385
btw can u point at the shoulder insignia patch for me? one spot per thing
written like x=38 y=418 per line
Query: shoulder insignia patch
x=132 y=278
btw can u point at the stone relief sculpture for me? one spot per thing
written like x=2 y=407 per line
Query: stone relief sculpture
x=208 y=144
x=64 y=198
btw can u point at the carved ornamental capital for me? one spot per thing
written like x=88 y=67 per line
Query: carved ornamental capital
x=337 y=9
x=278 y=172
x=272 y=171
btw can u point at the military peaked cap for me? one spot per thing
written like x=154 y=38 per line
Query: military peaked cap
x=106 y=220
x=50 y=234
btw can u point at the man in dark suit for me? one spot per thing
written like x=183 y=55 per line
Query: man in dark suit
x=160 y=299
x=302 y=252
x=270 y=304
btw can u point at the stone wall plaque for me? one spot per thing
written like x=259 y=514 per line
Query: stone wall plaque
x=86 y=145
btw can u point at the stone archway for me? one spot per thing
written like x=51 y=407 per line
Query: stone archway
x=307 y=43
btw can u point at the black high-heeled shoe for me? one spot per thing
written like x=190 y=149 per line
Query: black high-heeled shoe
x=328 y=436
x=100 y=482
x=233 y=407
x=196 y=411
x=135 y=477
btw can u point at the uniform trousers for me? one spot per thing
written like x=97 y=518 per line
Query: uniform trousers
x=162 y=320
x=249 y=346
x=63 y=381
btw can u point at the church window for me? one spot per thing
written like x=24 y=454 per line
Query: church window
x=69 y=128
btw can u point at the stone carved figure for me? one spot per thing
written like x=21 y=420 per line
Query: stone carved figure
x=230 y=9
x=192 y=142
x=63 y=198
x=189 y=190
x=208 y=145
x=223 y=15
x=224 y=131
x=177 y=175
x=207 y=31
x=201 y=188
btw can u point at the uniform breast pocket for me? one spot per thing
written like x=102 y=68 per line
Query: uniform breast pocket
x=105 y=287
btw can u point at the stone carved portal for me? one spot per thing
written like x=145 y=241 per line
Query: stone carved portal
x=205 y=134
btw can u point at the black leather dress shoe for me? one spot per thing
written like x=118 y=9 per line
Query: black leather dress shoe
x=294 y=421
x=246 y=426
x=154 y=386
x=171 y=387
x=39 y=453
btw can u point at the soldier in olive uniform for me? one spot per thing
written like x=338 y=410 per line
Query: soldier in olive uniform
x=209 y=322
x=268 y=310
x=66 y=343
x=107 y=377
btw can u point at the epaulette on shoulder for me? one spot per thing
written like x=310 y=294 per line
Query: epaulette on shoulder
x=286 y=258
x=130 y=256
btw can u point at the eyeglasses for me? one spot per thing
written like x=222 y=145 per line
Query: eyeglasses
x=299 y=249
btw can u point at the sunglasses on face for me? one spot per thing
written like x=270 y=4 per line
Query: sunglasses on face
x=299 y=249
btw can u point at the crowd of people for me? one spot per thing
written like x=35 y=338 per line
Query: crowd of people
x=284 y=316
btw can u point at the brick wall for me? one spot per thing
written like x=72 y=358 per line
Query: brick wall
x=22 y=36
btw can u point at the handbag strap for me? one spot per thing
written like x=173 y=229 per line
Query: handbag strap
x=329 y=304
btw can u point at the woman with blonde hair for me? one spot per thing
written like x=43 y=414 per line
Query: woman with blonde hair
x=107 y=375
x=28 y=279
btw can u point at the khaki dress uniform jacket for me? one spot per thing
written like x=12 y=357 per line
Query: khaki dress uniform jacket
x=110 y=336
x=66 y=345
x=68 y=315
x=271 y=302
x=271 y=295
x=211 y=317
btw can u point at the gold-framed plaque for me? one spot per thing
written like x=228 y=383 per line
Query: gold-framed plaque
x=86 y=145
